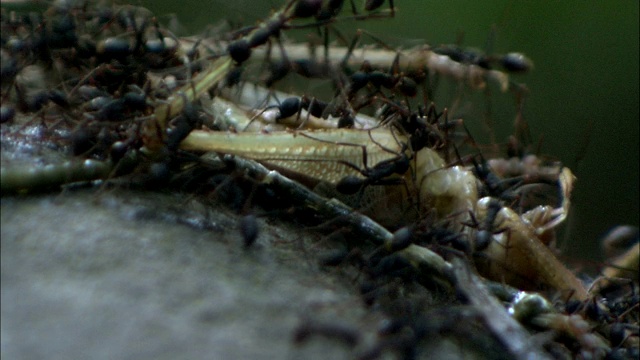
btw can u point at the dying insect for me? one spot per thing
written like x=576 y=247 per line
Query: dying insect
x=313 y=157
x=519 y=257
x=378 y=174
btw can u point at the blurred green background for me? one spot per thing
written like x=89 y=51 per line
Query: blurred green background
x=586 y=72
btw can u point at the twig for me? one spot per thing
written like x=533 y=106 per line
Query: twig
x=506 y=329
x=422 y=258
x=216 y=71
x=15 y=178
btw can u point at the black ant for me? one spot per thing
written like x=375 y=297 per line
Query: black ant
x=486 y=230
x=333 y=7
x=379 y=79
x=308 y=68
x=443 y=236
x=119 y=47
x=516 y=63
x=311 y=68
x=110 y=109
x=378 y=175
x=511 y=62
x=240 y=49
x=423 y=128
x=249 y=229
x=392 y=80
x=494 y=186
x=317 y=108
x=401 y=240
x=294 y=105
x=183 y=124
x=330 y=9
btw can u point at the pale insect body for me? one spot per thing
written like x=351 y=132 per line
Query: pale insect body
x=261 y=119
x=312 y=153
x=448 y=190
x=519 y=257
x=320 y=155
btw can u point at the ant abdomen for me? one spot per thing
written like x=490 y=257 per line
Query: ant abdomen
x=349 y=185
x=239 y=50
x=516 y=63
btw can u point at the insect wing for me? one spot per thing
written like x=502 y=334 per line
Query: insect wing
x=316 y=154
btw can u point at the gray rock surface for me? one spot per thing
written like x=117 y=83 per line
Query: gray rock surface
x=122 y=275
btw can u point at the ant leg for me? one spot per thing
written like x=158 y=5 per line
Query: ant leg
x=474 y=221
x=326 y=46
x=303 y=100
x=342 y=39
x=352 y=46
x=260 y=114
x=354 y=10
x=314 y=108
x=385 y=148
x=398 y=181
x=522 y=130
x=395 y=65
x=377 y=40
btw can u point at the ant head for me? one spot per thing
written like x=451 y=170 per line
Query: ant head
x=307 y=8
